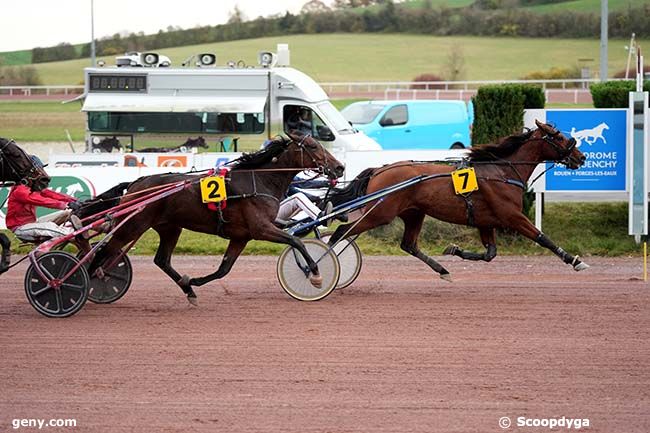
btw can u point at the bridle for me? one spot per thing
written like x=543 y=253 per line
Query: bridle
x=34 y=173
x=564 y=153
x=302 y=148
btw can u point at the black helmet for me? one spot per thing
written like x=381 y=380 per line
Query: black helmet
x=37 y=162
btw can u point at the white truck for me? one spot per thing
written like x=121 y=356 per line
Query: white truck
x=147 y=98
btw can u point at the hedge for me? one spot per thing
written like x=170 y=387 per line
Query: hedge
x=499 y=110
x=614 y=94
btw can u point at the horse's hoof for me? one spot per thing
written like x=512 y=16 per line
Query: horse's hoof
x=193 y=301
x=450 y=250
x=580 y=267
x=446 y=277
x=316 y=281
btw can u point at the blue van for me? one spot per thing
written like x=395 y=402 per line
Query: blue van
x=416 y=124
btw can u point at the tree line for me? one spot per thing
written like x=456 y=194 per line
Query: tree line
x=386 y=17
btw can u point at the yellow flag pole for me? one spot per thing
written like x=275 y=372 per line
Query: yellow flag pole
x=645 y=261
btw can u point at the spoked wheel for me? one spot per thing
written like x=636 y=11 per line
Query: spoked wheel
x=113 y=284
x=293 y=272
x=350 y=259
x=56 y=297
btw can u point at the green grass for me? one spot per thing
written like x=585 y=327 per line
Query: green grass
x=586 y=229
x=393 y=57
x=41 y=121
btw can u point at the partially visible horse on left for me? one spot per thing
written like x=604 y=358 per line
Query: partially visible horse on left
x=16 y=166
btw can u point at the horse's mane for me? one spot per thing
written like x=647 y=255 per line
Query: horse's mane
x=256 y=159
x=506 y=147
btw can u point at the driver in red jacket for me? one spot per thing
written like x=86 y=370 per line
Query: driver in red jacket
x=21 y=213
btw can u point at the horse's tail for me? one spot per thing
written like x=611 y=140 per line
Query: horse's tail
x=354 y=189
x=103 y=201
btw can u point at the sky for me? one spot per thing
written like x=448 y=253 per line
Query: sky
x=32 y=23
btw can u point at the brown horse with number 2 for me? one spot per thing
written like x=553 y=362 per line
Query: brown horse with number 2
x=502 y=171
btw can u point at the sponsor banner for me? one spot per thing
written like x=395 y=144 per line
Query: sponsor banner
x=602 y=136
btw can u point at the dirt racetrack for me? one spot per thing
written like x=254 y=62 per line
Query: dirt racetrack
x=399 y=350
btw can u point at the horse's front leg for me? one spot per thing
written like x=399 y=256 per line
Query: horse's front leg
x=269 y=232
x=488 y=238
x=526 y=228
x=235 y=247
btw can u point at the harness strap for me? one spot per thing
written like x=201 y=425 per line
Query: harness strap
x=470 y=209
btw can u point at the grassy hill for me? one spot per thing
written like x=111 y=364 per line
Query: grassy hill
x=373 y=57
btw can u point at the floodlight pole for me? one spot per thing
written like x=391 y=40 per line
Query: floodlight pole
x=92 y=33
x=603 y=40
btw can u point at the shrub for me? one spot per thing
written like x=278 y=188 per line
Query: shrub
x=614 y=94
x=554 y=73
x=631 y=73
x=499 y=110
x=533 y=95
x=19 y=76
x=427 y=77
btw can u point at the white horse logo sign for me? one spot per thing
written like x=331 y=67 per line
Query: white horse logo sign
x=589 y=136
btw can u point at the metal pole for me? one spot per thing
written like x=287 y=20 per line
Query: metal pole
x=630 y=49
x=92 y=33
x=603 y=40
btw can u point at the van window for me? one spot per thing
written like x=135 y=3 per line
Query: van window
x=304 y=120
x=199 y=122
x=362 y=113
x=398 y=115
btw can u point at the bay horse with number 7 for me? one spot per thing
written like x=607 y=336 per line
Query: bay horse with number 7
x=257 y=183
x=502 y=171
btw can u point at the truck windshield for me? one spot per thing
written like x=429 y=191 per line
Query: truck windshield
x=361 y=113
x=336 y=120
x=195 y=122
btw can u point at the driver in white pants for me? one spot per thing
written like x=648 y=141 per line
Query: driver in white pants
x=290 y=206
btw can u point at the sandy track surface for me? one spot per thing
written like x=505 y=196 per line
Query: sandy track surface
x=399 y=350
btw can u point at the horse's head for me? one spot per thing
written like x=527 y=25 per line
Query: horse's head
x=17 y=166
x=309 y=153
x=199 y=142
x=560 y=149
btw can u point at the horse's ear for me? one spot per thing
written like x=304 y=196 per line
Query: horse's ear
x=546 y=128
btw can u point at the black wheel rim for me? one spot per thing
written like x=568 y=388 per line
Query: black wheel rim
x=65 y=300
x=113 y=285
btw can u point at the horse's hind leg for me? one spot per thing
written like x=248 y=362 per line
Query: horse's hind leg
x=168 y=239
x=488 y=238
x=412 y=226
x=235 y=247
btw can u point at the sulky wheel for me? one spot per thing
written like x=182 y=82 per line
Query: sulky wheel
x=294 y=276
x=114 y=282
x=53 y=296
x=350 y=259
